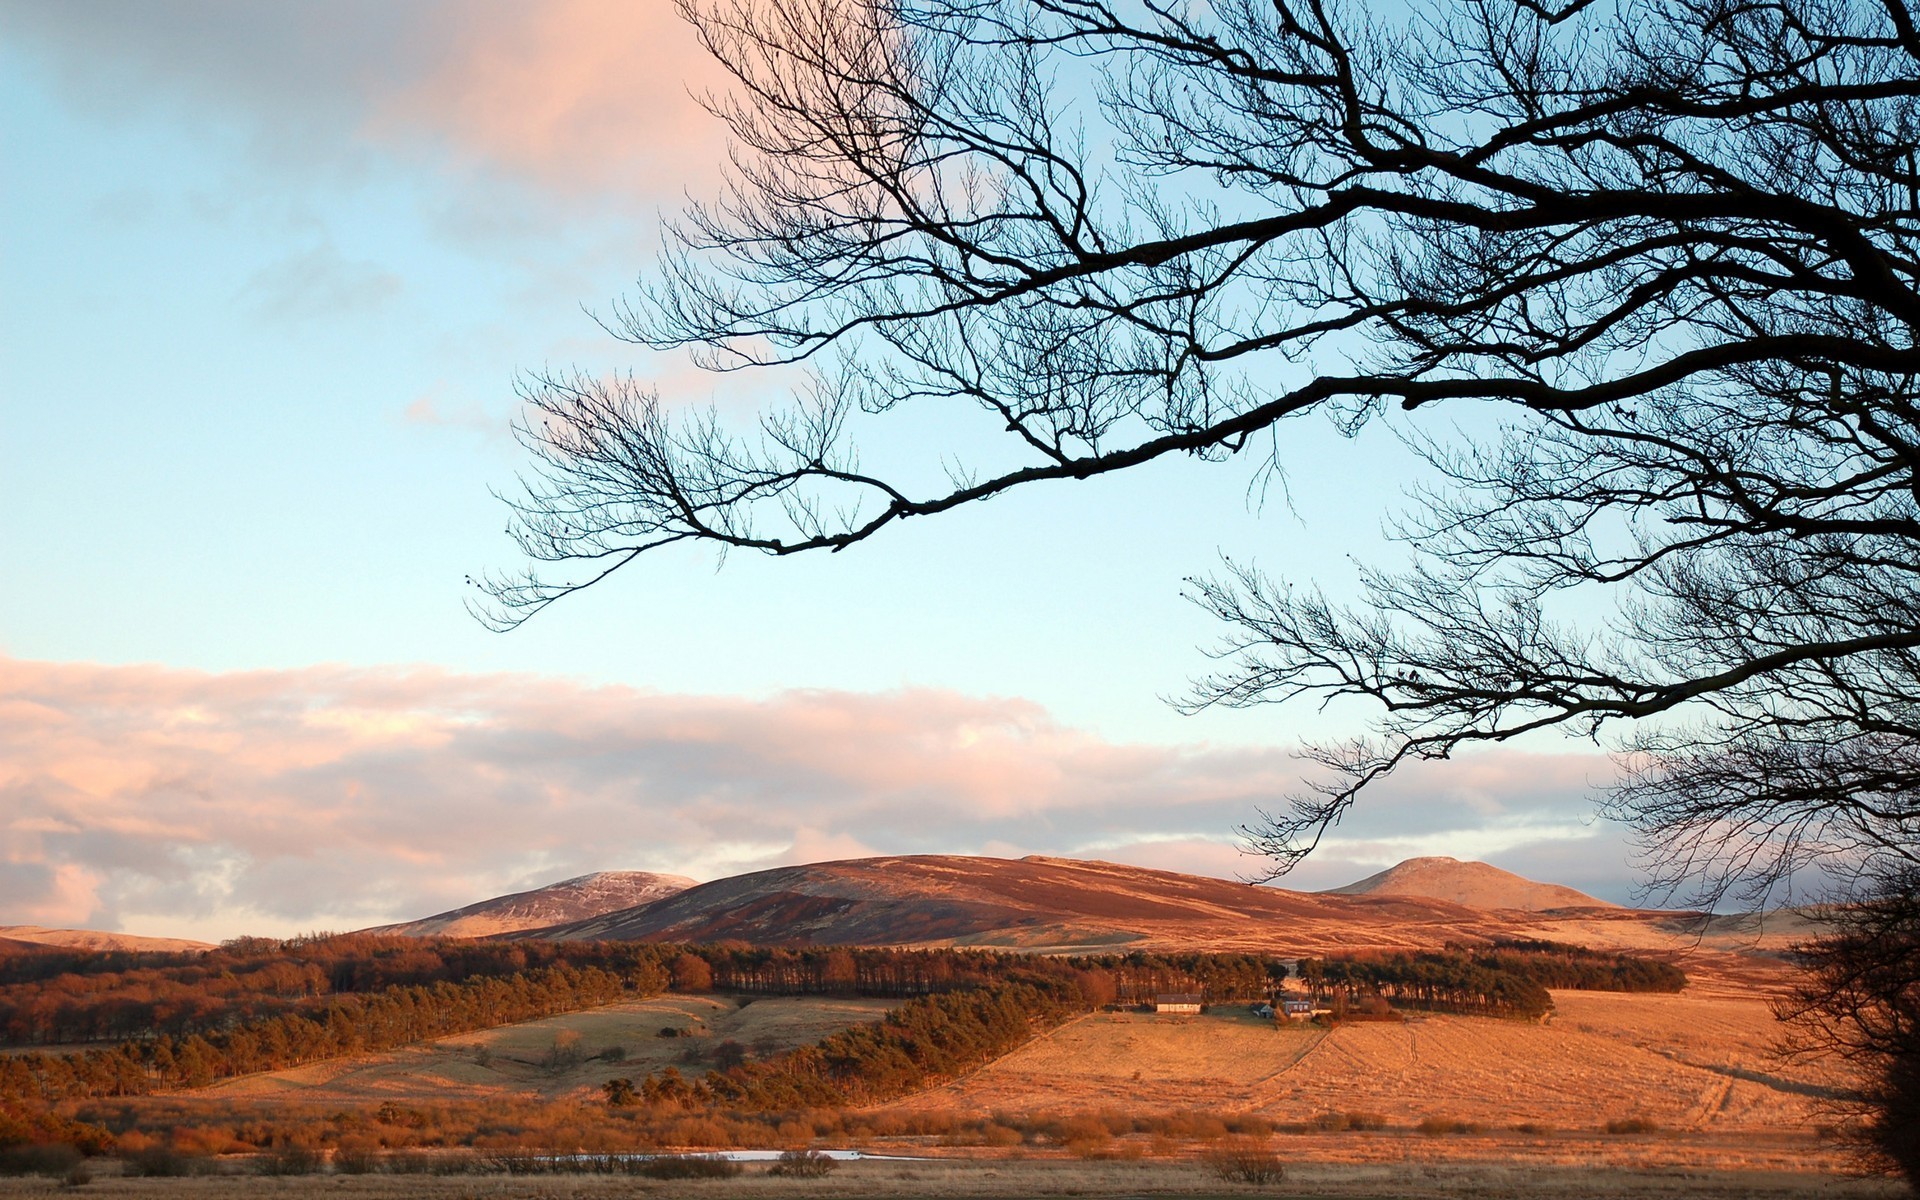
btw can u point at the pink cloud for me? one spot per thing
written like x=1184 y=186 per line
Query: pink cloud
x=327 y=797
x=575 y=96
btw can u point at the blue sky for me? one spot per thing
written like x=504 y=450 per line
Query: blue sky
x=267 y=276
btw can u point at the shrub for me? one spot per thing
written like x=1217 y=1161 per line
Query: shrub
x=688 y=1166
x=803 y=1164
x=56 y=1159
x=1435 y=1126
x=1632 y=1125
x=288 y=1159
x=1336 y=1122
x=1245 y=1162
x=1536 y=1128
x=164 y=1162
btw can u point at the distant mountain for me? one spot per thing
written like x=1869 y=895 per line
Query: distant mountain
x=1474 y=884
x=1032 y=903
x=94 y=939
x=575 y=899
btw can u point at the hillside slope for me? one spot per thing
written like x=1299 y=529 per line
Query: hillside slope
x=1031 y=903
x=95 y=939
x=577 y=899
x=1474 y=884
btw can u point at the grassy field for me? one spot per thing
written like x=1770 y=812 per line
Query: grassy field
x=1007 y=1179
x=564 y=1056
x=1692 y=1073
x=1696 y=1071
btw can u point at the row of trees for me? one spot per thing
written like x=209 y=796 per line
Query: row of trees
x=918 y=1045
x=117 y=996
x=878 y=971
x=1556 y=965
x=1451 y=982
x=347 y=1024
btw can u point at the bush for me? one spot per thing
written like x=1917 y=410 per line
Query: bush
x=55 y=1160
x=803 y=1164
x=1245 y=1162
x=1632 y=1125
x=164 y=1162
x=288 y=1159
x=1335 y=1122
x=1435 y=1126
x=688 y=1166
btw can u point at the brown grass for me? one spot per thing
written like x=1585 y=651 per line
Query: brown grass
x=996 y=1179
x=565 y=1056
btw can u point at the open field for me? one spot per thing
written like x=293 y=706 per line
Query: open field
x=570 y=1055
x=1004 y=1179
x=1698 y=1068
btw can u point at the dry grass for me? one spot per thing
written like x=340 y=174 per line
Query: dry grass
x=1135 y=1062
x=997 y=1179
x=1696 y=1067
x=563 y=1056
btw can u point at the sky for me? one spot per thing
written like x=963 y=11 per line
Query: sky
x=268 y=274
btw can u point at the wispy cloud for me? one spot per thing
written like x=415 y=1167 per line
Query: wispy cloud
x=573 y=96
x=317 y=283
x=180 y=801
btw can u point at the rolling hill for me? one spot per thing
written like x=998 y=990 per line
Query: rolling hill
x=95 y=939
x=1474 y=884
x=1060 y=905
x=1032 y=903
x=578 y=899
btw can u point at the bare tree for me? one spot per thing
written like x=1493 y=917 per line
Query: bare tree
x=1668 y=247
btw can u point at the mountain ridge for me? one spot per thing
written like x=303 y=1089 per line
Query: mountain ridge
x=582 y=897
x=1472 y=883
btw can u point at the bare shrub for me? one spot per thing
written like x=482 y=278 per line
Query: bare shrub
x=164 y=1162
x=688 y=1166
x=56 y=1159
x=1632 y=1125
x=803 y=1164
x=1245 y=1160
x=288 y=1158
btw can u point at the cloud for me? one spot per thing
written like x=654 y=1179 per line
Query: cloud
x=214 y=804
x=572 y=96
x=318 y=283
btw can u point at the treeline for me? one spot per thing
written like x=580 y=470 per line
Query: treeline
x=347 y=1024
x=878 y=971
x=115 y=996
x=1443 y=981
x=920 y=1044
x=1558 y=965
x=248 y=981
x=1507 y=979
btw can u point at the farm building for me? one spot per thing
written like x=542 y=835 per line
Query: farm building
x=1176 y=1002
x=1295 y=1010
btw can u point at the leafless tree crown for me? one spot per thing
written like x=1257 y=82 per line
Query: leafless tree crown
x=1671 y=242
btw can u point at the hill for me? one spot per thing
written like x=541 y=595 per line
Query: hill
x=1032 y=903
x=95 y=939
x=577 y=899
x=1474 y=884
